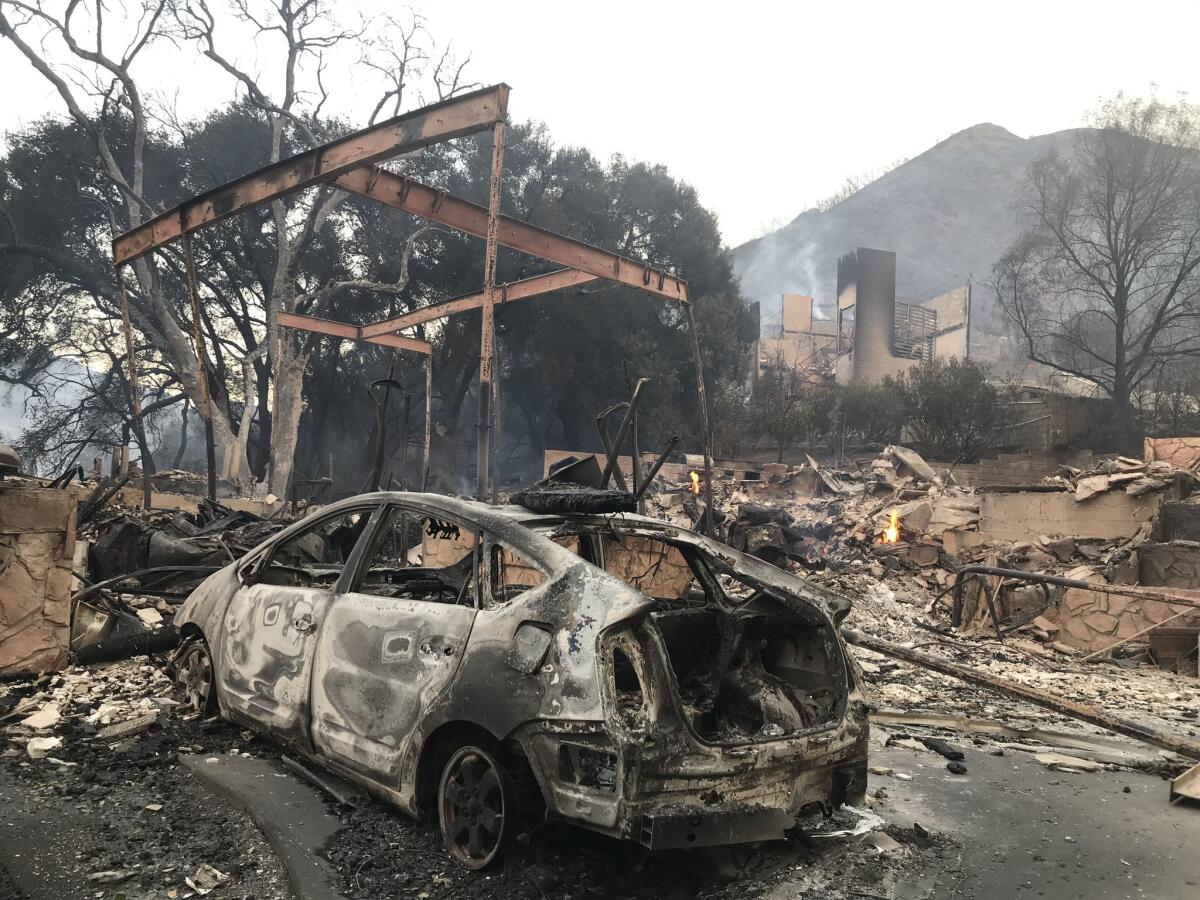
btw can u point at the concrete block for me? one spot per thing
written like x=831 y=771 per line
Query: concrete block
x=1027 y=515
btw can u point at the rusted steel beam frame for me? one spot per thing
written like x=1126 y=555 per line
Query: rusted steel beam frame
x=506 y=293
x=962 y=574
x=411 y=131
x=1176 y=743
x=350 y=332
x=487 y=354
x=462 y=215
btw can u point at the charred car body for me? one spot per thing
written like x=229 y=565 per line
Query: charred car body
x=470 y=662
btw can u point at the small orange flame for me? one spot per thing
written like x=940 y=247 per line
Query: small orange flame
x=694 y=487
x=891 y=534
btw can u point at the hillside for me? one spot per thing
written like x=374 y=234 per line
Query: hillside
x=948 y=214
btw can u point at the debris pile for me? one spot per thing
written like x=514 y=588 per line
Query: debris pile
x=898 y=519
x=125 y=540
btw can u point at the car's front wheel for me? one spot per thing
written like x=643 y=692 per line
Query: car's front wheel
x=195 y=676
x=477 y=806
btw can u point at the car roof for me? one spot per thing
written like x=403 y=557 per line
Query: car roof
x=494 y=514
x=519 y=523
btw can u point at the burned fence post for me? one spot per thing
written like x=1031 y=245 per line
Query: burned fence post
x=135 y=393
x=706 y=433
x=210 y=452
x=487 y=326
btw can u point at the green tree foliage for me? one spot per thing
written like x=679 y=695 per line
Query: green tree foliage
x=872 y=413
x=788 y=409
x=949 y=407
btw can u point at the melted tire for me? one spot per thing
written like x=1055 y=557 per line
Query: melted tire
x=478 y=806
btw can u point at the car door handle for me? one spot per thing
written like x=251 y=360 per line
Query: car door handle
x=305 y=624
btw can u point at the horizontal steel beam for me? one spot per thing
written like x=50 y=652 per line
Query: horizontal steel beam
x=506 y=293
x=430 y=203
x=350 y=332
x=440 y=122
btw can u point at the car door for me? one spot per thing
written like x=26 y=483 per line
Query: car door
x=270 y=625
x=389 y=647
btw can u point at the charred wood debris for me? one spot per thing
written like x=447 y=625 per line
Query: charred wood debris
x=962 y=654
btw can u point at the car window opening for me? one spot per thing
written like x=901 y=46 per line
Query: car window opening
x=747 y=674
x=747 y=667
x=512 y=575
x=421 y=558
x=316 y=556
x=631 y=697
x=655 y=567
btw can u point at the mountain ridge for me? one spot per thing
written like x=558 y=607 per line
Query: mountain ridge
x=948 y=213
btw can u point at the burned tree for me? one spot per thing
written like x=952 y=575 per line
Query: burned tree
x=1103 y=285
x=295 y=256
x=789 y=404
x=108 y=110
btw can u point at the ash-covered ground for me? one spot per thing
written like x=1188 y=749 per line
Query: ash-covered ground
x=94 y=817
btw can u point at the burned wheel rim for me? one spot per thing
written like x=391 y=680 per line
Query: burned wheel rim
x=472 y=807
x=194 y=677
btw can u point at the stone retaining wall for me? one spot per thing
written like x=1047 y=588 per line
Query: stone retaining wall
x=37 y=544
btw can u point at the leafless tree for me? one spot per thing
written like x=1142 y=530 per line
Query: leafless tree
x=96 y=85
x=307 y=29
x=1104 y=285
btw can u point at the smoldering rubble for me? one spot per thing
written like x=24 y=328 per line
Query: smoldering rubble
x=98 y=746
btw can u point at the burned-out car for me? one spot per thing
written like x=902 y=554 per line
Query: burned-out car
x=474 y=663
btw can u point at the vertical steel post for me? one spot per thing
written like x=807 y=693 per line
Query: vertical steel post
x=428 y=420
x=488 y=311
x=210 y=451
x=496 y=435
x=135 y=391
x=635 y=446
x=706 y=432
x=404 y=441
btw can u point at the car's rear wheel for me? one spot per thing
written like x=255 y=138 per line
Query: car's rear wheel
x=477 y=806
x=195 y=677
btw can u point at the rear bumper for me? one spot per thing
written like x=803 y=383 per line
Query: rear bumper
x=711 y=826
x=719 y=799
x=701 y=824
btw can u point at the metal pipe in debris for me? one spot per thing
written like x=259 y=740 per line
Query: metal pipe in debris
x=658 y=463
x=1174 y=742
x=1039 y=578
x=606 y=440
x=623 y=430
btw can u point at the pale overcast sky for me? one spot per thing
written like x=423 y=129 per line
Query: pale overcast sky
x=764 y=107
